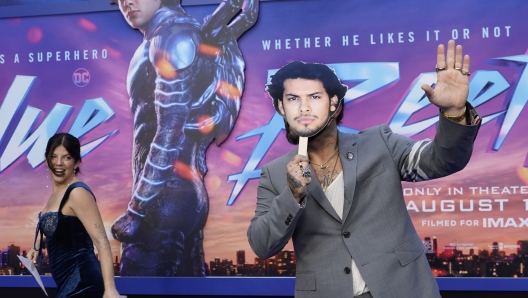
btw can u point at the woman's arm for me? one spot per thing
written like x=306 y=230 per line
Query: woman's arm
x=83 y=205
x=35 y=250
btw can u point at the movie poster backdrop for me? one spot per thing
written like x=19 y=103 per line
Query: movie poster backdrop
x=69 y=73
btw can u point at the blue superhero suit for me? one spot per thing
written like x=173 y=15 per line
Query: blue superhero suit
x=185 y=81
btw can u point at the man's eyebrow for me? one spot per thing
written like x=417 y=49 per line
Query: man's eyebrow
x=311 y=94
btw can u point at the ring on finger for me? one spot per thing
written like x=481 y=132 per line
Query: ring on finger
x=440 y=69
x=306 y=173
x=466 y=73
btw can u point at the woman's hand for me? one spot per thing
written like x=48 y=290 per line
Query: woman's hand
x=33 y=255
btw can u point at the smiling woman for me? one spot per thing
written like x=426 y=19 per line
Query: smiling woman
x=72 y=225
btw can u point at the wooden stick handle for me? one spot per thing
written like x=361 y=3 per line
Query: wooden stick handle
x=303 y=146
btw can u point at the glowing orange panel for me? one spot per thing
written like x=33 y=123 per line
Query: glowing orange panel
x=227 y=90
x=205 y=124
x=230 y=158
x=209 y=50
x=166 y=70
x=87 y=25
x=185 y=171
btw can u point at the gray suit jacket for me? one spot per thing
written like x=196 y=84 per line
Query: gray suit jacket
x=376 y=229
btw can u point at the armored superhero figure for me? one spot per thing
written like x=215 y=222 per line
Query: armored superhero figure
x=185 y=81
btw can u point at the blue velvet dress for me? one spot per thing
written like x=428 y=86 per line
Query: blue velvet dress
x=73 y=264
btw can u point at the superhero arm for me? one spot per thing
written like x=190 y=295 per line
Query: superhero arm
x=225 y=12
x=173 y=53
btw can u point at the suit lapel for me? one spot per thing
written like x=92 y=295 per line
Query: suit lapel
x=348 y=153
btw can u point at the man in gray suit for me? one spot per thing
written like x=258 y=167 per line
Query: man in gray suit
x=352 y=234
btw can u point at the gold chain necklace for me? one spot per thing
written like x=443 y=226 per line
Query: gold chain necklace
x=326 y=164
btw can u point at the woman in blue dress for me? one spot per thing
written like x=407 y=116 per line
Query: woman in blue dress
x=72 y=225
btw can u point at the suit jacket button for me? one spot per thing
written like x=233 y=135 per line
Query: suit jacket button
x=346 y=234
x=287 y=222
x=347 y=270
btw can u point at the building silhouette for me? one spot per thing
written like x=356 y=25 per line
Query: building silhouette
x=222 y=267
x=522 y=249
x=12 y=259
x=449 y=262
x=285 y=262
x=241 y=262
x=485 y=263
x=11 y=265
x=428 y=245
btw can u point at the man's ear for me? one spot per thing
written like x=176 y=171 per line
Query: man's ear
x=281 y=108
x=334 y=101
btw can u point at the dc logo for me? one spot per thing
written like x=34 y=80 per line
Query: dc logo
x=81 y=77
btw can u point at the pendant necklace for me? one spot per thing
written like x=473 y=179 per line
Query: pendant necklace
x=328 y=179
x=326 y=164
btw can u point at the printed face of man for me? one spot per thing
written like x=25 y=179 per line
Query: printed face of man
x=139 y=12
x=305 y=106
